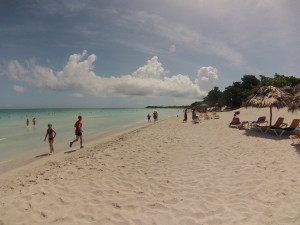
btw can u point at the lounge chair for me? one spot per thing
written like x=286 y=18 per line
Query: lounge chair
x=214 y=115
x=279 y=124
x=237 y=123
x=293 y=137
x=196 y=119
x=291 y=128
x=258 y=122
x=206 y=116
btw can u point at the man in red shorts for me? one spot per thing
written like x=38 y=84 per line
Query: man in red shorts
x=78 y=131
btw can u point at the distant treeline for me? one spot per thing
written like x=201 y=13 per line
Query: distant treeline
x=234 y=95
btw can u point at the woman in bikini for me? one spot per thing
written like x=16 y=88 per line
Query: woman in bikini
x=51 y=135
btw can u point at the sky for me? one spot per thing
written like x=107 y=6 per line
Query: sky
x=135 y=53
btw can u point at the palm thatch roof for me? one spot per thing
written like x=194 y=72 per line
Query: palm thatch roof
x=295 y=105
x=268 y=96
x=288 y=89
x=201 y=108
x=297 y=88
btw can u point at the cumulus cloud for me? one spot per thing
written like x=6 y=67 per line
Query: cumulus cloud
x=153 y=69
x=19 y=89
x=78 y=76
x=206 y=77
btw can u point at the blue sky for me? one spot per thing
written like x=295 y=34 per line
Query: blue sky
x=134 y=53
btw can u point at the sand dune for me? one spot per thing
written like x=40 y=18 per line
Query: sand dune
x=166 y=173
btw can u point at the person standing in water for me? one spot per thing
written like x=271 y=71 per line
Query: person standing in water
x=78 y=132
x=27 y=122
x=149 y=118
x=34 y=121
x=51 y=135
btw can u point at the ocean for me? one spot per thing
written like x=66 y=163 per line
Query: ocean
x=16 y=137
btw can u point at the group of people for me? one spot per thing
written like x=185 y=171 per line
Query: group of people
x=194 y=115
x=33 y=122
x=155 y=116
x=51 y=134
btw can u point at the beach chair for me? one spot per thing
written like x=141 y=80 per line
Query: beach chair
x=196 y=119
x=291 y=128
x=294 y=138
x=235 y=125
x=278 y=124
x=206 y=116
x=258 y=122
x=214 y=115
x=239 y=125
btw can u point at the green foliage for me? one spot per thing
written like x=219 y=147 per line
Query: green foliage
x=249 y=82
x=265 y=81
x=279 y=80
x=235 y=94
x=293 y=80
x=213 y=97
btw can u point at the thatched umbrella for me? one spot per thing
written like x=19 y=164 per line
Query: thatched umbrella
x=297 y=88
x=268 y=96
x=295 y=105
x=202 y=107
x=288 y=89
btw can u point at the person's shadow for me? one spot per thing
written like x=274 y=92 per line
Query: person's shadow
x=42 y=155
x=71 y=151
x=297 y=147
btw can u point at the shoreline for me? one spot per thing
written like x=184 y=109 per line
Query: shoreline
x=38 y=156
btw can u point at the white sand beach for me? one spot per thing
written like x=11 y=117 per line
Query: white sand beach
x=164 y=173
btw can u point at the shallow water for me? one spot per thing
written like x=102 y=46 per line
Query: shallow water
x=16 y=137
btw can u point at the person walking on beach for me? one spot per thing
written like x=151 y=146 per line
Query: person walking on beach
x=149 y=118
x=78 y=131
x=51 y=135
x=185 y=116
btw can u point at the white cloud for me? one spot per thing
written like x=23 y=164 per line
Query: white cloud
x=78 y=76
x=186 y=35
x=206 y=77
x=153 y=69
x=19 y=89
x=208 y=72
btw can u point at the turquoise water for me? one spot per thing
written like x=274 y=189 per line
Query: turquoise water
x=16 y=137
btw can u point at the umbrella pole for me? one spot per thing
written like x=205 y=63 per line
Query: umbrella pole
x=270 y=115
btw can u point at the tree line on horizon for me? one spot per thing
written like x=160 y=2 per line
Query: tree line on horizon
x=234 y=95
